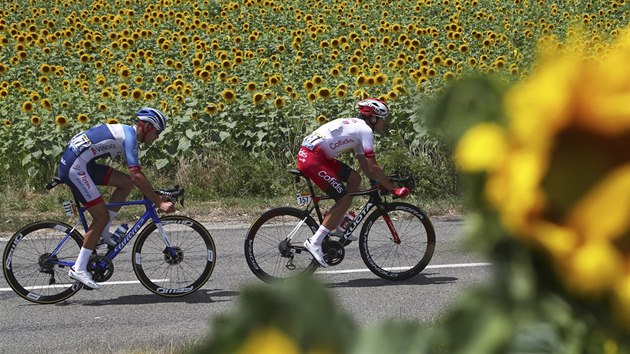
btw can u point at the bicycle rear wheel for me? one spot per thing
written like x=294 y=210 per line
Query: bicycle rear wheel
x=274 y=245
x=397 y=261
x=29 y=268
x=174 y=275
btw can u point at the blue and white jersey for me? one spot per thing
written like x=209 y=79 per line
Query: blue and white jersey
x=107 y=140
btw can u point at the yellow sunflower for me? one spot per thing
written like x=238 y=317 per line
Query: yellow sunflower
x=61 y=121
x=279 y=102
x=45 y=103
x=228 y=96
x=35 y=120
x=83 y=118
x=211 y=108
x=137 y=94
x=324 y=93
x=317 y=80
x=27 y=106
x=308 y=85
x=321 y=119
x=251 y=86
x=258 y=98
x=557 y=132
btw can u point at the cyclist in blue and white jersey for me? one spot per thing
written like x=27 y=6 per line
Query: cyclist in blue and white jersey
x=80 y=171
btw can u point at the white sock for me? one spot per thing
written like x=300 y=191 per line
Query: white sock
x=319 y=236
x=82 y=260
x=112 y=215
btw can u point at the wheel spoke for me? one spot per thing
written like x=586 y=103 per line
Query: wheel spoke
x=21 y=262
x=181 y=274
x=398 y=261
x=268 y=235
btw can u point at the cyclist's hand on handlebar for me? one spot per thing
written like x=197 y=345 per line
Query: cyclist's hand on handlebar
x=167 y=207
x=400 y=192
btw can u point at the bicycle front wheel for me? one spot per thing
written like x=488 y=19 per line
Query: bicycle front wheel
x=384 y=255
x=30 y=267
x=274 y=245
x=174 y=274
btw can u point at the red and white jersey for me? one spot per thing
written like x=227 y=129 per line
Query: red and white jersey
x=340 y=135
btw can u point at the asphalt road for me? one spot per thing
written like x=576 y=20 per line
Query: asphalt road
x=123 y=316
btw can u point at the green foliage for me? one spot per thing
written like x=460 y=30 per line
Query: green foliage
x=302 y=309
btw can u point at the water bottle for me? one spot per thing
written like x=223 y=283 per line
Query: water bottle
x=120 y=233
x=347 y=220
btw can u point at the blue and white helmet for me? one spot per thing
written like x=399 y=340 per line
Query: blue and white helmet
x=153 y=116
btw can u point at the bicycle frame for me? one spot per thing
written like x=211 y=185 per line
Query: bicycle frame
x=375 y=200
x=150 y=213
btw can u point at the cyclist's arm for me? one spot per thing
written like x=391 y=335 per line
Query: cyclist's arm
x=139 y=180
x=374 y=171
x=367 y=159
x=130 y=147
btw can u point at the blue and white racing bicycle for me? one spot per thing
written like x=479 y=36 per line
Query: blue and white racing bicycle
x=173 y=255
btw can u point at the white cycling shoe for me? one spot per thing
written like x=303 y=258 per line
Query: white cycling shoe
x=316 y=252
x=84 y=277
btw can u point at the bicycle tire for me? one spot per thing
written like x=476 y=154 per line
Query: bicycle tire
x=174 y=276
x=264 y=241
x=388 y=259
x=41 y=282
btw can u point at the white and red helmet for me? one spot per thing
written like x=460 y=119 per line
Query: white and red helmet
x=373 y=107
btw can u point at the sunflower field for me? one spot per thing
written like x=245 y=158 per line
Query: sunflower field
x=255 y=75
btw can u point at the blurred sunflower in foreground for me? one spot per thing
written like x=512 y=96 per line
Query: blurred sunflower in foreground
x=546 y=169
x=557 y=171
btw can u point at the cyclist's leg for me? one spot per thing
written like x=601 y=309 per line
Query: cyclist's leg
x=100 y=218
x=107 y=176
x=343 y=201
x=328 y=175
x=84 y=188
x=353 y=182
x=74 y=172
x=119 y=180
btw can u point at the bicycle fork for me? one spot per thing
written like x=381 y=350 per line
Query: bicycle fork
x=169 y=250
x=390 y=226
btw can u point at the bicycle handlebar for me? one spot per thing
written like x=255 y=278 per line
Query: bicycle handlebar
x=406 y=181
x=173 y=194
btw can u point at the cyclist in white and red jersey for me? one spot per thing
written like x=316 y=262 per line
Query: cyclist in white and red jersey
x=80 y=171
x=317 y=160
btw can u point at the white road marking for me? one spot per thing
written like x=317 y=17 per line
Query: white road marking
x=460 y=265
x=105 y=283
x=345 y=271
